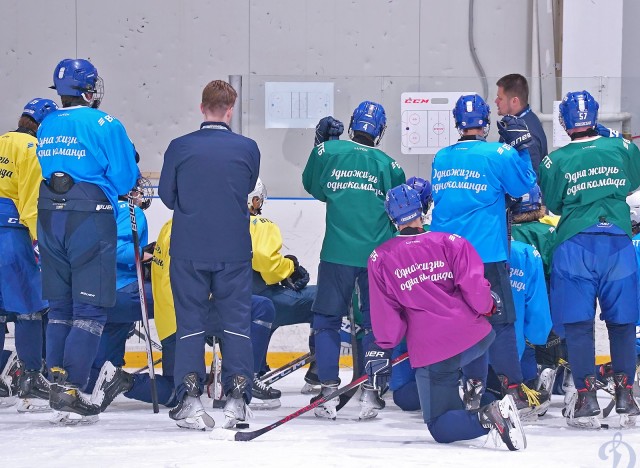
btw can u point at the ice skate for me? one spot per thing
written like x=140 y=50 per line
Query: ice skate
x=66 y=418
x=236 y=409
x=583 y=409
x=9 y=381
x=370 y=402
x=530 y=402
x=502 y=417
x=568 y=387
x=626 y=405
x=32 y=384
x=66 y=398
x=263 y=396
x=111 y=382
x=32 y=405
x=472 y=393
x=327 y=409
x=189 y=413
x=311 y=381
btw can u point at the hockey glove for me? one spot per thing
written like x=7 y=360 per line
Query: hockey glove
x=497 y=305
x=514 y=132
x=299 y=278
x=328 y=129
x=549 y=354
x=607 y=132
x=377 y=365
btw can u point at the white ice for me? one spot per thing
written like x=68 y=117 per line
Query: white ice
x=129 y=434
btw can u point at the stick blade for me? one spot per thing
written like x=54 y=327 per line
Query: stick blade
x=220 y=433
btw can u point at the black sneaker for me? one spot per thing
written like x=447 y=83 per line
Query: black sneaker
x=111 y=382
x=32 y=384
x=502 y=416
x=189 y=413
x=64 y=397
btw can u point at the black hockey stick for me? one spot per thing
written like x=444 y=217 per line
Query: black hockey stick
x=250 y=435
x=143 y=304
x=157 y=361
x=357 y=372
x=153 y=343
x=277 y=374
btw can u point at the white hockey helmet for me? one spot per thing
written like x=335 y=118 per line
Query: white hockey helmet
x=259 y=191
x=633 y=201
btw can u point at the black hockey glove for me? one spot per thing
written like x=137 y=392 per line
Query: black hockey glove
x=514 y=132
x=299 y=278
x=328 y=129
x=377 y=365
x=549 y=354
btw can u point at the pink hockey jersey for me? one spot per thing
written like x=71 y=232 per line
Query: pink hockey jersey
x=431 y=288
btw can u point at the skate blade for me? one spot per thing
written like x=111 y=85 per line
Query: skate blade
x=27 y=406
x=220 y=433
x=585 y=422
x=517 y=438
x=198 y=423
x=309 y=389
x=8 y=402
x=324 y=413
x=627 y=421
x=262 y=405
x=97 y=396
x=61 y=418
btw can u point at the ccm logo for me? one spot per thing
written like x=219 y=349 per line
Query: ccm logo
x=416 y=101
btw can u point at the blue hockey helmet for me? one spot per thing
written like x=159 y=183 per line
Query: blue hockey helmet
x=369 y=117
x=531 y=201
x=578 y=109
x=471 y=112
x=423 y=187
x=39 y=108
x=402 y=204
x=78 y=77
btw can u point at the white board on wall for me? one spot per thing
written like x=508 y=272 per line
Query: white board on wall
x=427 y=121
x=296 y=104
x=560 y=137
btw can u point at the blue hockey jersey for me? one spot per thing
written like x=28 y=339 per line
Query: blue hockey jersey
x=125 y=255
x=469 y=181
x=636 y=245
x=533 y=317
x=90 y=146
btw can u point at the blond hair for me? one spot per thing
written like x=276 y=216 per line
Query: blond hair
x=218 y=96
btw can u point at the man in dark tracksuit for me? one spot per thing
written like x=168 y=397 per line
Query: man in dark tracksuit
x=205 y=179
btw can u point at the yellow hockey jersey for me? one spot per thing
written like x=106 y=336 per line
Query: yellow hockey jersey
x=20 y=176
x=266 y=242
x=164 y=310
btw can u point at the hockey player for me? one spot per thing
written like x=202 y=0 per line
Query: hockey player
x=471 y=180
x=278 y=277
x=586 y=182
x=351 y=177
x=513 y=99
x=430 y=287
x=87 y=160
x=20 y=278
x=212 y=192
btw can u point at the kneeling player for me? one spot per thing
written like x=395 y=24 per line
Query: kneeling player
x=430 y=287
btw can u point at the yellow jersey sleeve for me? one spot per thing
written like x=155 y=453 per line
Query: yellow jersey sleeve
x=266 y=242
x=164 y=310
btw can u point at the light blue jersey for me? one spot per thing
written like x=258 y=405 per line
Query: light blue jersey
x=90 y=146
x=469 y=181
x=125 y=255
x=636 y=246
x=533 y=318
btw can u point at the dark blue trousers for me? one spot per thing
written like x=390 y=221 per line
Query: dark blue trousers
x=230 y=286
x=438 y=389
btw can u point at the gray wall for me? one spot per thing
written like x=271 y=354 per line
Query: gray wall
x=156 y=55
x=631 y=63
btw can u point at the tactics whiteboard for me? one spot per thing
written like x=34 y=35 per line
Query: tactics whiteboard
x=427 y=121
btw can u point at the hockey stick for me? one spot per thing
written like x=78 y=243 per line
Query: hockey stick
x=250 y=435
x=277 y=374
x=357 y=372
x=143 y=304
x=153 y=343
x=157 y=361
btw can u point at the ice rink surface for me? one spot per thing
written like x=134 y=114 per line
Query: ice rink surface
x=129 y=434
